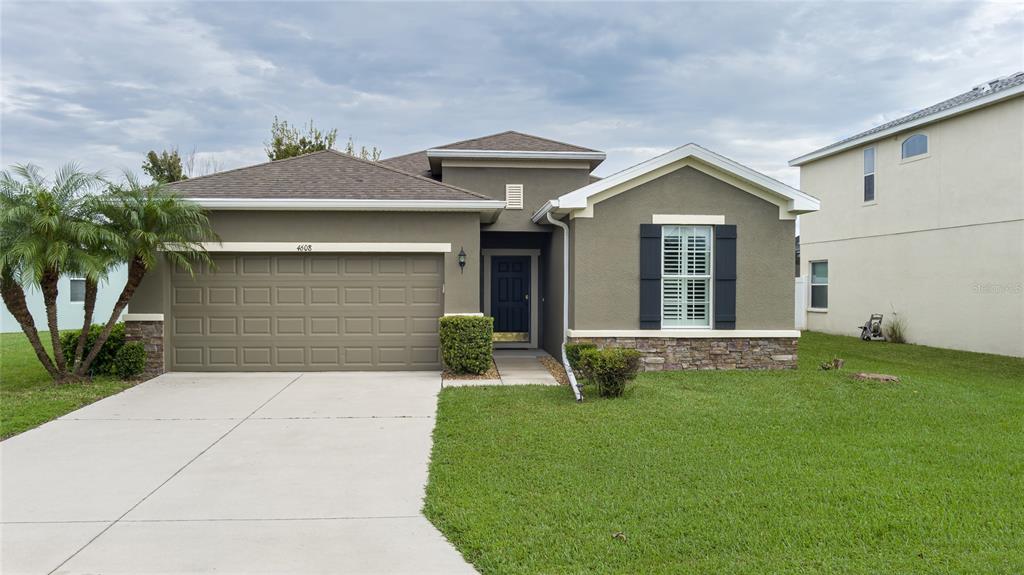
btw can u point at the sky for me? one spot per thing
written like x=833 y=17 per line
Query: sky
x=103 y=83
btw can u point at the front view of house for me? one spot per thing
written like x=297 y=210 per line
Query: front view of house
x=329 y=262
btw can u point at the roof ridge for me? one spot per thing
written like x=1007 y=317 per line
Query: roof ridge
x=407 y=174
x=471 y=139
x=240 y=168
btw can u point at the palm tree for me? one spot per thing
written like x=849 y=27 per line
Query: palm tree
x=46 y=231
x=150 y=224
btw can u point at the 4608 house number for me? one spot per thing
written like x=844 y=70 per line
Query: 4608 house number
x=304 y=247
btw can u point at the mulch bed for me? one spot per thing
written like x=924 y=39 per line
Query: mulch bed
x=491 y=373
x=556 y=369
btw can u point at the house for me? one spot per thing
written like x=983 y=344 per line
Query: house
x=923 y=218
x=330 y=262
x=71 y=298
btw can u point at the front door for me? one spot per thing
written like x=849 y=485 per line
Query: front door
x=510 y=297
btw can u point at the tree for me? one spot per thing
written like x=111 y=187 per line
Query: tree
x=287 y=141
x=165 y=167
x=47 y=231
x=372 y=154
x=150 y=224
x=196 y=165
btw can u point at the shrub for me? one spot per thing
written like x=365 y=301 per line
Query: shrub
x=104 y=362
x=467 y=343
x=573 y=351
x=611 y=369
x=130 y=360
x=896 y=329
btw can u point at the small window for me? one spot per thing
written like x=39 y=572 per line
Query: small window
x=869 y=175
x=686 y=276
x=77 y=290
x=514 y=196
x=819 y=285
x=915 y=145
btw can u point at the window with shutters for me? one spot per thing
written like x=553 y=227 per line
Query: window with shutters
x=686 y=277
x=514 y=196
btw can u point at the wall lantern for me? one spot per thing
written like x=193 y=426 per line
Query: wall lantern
x=462 y=260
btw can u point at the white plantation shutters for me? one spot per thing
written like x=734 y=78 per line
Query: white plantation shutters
x=514 y=196
x=686 y=276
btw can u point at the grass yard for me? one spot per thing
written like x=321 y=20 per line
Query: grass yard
x=29 y=398
x=744 y=472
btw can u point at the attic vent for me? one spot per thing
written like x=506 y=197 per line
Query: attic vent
x=514 y=196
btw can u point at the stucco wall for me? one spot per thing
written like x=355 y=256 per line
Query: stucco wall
x=942 y=243
x=539 y=186
x=69 y=314
x=551 y=310
x=606 y=250
x=462 y=230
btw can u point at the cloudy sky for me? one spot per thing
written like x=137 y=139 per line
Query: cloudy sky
x=760 y=82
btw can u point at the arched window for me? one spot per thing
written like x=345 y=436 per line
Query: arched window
x=915 y=146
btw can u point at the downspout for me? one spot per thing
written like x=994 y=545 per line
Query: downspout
x=565 y=306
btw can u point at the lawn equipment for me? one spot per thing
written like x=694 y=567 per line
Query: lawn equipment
x=872 y=329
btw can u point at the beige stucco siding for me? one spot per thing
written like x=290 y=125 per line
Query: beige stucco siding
x=539 y=186
x=941 y=244
x=605 y=255
x=461 y=230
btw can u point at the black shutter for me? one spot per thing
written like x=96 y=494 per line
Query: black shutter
x=725 y=277
x=650 y=276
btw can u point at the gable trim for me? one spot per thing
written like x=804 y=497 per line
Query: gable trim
x=580 y=203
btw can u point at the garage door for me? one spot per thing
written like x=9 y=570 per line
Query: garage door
x=320 y=312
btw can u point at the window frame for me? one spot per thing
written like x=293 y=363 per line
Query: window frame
x=76 y=279
x=927 y=147
x=873 y=174
x=811 y=284
x=710 y=278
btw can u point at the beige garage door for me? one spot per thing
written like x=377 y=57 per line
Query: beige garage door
x=301 y=312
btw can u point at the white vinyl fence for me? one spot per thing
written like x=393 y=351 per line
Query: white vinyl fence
x=800 y=303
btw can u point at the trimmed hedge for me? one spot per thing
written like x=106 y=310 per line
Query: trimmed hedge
x=104 y=362
x=610 y=369
x=573 y=351
x=130 y=360
x=467 y=343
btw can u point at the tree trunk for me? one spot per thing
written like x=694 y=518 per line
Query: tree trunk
x=48 y=283
x=136 y=271
x=14 y=299
x=91 y=287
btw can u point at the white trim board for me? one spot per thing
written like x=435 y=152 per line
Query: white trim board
x=320 y=247
x=580 y=203
x=513 y=154
x=143 y=317
x=929 y=119
x=686 y=333
x=464 y=313
x=688 y=220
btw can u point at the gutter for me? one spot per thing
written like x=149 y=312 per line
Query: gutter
x=565 y=303
x=346 y=204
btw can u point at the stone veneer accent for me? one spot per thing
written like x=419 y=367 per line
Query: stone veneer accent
x=680 y=353
x=151 y=334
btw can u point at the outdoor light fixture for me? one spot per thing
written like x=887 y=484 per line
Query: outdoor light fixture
x=462 y=260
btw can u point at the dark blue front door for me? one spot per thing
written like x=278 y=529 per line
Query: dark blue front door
x=510 y=293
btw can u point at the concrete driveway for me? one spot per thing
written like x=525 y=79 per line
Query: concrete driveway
x=230 y=473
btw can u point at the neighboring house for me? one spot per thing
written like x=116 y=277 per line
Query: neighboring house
x=924 y=217
x=71 y=296
x=330 y=262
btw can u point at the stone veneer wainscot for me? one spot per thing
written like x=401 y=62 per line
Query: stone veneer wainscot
x=677 y=353
x=151 y=334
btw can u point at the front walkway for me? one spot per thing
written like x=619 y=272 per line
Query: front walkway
x=230 y=473
x=515 y=367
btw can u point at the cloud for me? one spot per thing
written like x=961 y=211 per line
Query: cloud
x=758 y=82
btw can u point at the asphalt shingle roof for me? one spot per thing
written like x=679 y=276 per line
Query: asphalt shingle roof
x=986 y=89
x=321 y=175
x=510 y=141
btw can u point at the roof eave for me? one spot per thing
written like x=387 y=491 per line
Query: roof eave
x=299 y=204
x=436 y=155
x=923 y=121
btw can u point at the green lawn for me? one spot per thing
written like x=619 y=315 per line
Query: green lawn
x=743 y=472
x=28 y=397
